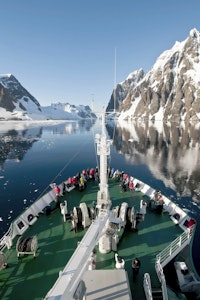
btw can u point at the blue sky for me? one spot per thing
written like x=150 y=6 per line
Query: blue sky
x=64 y=50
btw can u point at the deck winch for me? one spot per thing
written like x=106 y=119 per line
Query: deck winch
x=27 y=245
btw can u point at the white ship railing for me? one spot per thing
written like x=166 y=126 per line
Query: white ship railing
x=147 y=283
x=147 y=286
x=6 y=239
x=22 y=222
x=165 y=256
x=161 y=277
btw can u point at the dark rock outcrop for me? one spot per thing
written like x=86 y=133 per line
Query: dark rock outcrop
x=170 y=91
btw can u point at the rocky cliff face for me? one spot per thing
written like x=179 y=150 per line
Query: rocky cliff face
x=170 y=91
x=122 y=89
x=16 y=103
x=12 y=92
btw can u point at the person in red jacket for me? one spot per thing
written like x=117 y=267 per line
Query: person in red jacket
x=57 y=190
x=131 y=185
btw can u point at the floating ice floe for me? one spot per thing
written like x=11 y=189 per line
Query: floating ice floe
x=187 y=210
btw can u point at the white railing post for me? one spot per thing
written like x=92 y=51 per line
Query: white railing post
x=180 y=241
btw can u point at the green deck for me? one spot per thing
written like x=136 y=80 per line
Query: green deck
x=31 y=278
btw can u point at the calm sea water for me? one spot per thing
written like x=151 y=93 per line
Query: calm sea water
x=32 y=155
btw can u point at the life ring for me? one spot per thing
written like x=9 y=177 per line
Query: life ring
x=30 y=218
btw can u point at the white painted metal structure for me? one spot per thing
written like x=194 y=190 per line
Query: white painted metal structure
x=103 y=150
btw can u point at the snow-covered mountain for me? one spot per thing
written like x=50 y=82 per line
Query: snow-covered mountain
x=170 y=91
x=60 y=111
x=16 y=103
x=122 y=89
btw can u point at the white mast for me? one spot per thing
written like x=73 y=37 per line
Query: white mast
x=92 y=102
x=115 y=76
x=103 y=150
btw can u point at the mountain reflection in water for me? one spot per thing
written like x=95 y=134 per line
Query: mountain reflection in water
x=171 y=152
x=32 y=155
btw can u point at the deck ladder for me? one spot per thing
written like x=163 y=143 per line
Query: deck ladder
x=155 y=293
x=161 y=277
x=147 y=286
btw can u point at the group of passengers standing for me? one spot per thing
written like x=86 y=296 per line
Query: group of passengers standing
x=126 y=181
x=157 y=202
x=78 y=181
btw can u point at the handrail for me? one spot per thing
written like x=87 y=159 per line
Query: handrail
x=175 y=247
x=3 y=239
x=10 y=233
x=168 y=253
x=161 y=277
x=147 y=286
